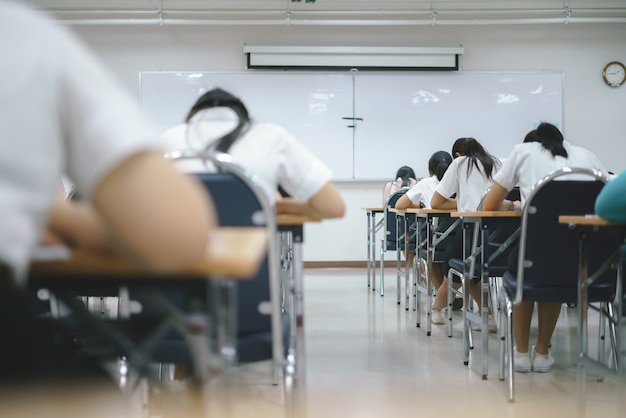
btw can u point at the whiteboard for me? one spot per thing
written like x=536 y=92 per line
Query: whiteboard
x=366 y=125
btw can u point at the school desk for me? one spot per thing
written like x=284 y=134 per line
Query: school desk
x=487 y=234
x=291 y=235
x=586 y=225
x=372 y=228
x=233 y=253
x=436 y=231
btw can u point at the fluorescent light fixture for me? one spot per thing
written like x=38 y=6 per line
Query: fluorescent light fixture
x=359 y=57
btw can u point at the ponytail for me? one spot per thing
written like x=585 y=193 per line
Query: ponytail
x=438 y=164
x=405 y=173
x=475 y=153
x=551 y=139
x=221 y=98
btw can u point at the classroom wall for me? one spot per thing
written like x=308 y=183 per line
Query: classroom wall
x=594 y=114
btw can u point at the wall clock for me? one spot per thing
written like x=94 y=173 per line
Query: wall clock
x=614 y=74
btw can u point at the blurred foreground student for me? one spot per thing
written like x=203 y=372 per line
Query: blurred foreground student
x=528 y=163
x=220 y=120
x=62 y=113
x=611 y=202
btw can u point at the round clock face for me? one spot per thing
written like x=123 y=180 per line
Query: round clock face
x=614 y=74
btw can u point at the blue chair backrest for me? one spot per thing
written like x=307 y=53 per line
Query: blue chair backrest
x=391 y=229
x=238 y=205
x=548 y=252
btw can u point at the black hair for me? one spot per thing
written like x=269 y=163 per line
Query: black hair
x=475 y=153
x=551 y=139
x=439 y=163
x=405 y=173
x=221 y=98
x=531 y=136
x=457 y=147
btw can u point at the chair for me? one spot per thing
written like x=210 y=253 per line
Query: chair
x=546 y=268
x=434 y=231
x=501 y=234
x=393 y=239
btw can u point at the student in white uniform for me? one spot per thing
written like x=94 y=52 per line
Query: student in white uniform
x=527 y=164
x=62 y=113
x=469 y=176
x=405 y=177
x=268 y=150
x=419 y=195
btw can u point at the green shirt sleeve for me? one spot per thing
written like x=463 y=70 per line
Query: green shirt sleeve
x=611 y=202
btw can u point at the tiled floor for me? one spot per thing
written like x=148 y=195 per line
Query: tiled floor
x=366 y=358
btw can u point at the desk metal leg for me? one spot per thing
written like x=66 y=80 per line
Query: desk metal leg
x=300 y=375
x=398 y=258
x=371 y=250
x=583 y=271
x=407 y=249
x=370 y=227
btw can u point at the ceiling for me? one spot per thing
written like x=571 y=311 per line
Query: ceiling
x=332 y=12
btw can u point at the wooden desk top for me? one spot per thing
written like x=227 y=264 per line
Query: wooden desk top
x=430 y=211
x=592 y=220
x=374 y=209
x=64 y=399
x=288 y=219
x=488 y=214
x=234 y=252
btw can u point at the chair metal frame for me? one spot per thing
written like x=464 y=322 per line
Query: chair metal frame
x=509 y=299
x=393 y=238
x=286 y=357
x=500 y=237
x=426 y=246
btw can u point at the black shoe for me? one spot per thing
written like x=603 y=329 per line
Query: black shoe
x=457 y=304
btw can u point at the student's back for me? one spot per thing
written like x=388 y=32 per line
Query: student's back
x=405 y=177
x=530 y=162
x=219 y=122
x=62 y=113
x=268 y=150
x=468 y=177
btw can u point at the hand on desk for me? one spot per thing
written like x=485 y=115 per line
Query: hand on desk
x=75 y=224
x=327 y=203
x=290 y=206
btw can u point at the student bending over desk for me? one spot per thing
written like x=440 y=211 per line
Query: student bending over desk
x=419 y=196
x=528 y=163
x=62 y=113
x=405 y=177
x=468 y=177
x=219 y=119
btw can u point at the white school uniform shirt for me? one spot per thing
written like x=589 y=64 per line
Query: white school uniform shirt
x=530 y=162
x=423 y=191
x=267 y=150
x=469 y=189
x=61 y=113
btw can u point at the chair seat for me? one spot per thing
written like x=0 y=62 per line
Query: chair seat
x=494 y=271
x=597 y=292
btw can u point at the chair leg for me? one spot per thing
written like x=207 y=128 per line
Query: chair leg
x=382 y=268
x=615 y=347
x=502 y=332
x=416 y=271
x=452 y=294
x=468 y=342
x=510 y=340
